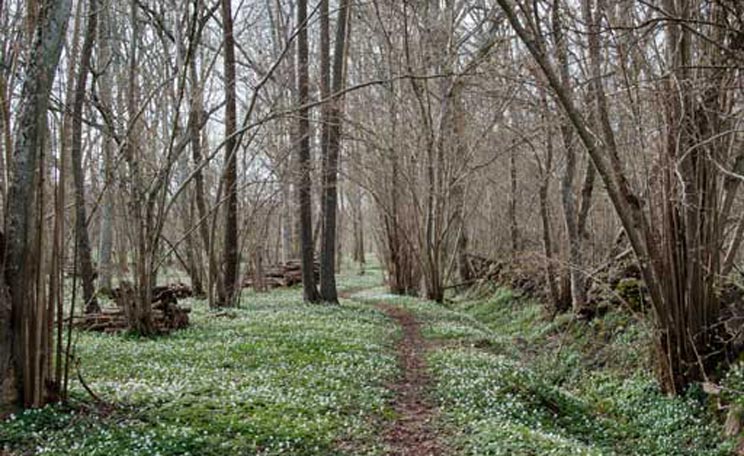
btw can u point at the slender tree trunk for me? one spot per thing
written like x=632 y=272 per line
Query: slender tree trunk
x=87 y=273
x=23 y=379
x=105 y=261
x=554 y=294
x=328 y=291
x=568 y=197
x=357 y=220
x=304 y=187
x=513 y=225
x=140 y=311
x=230 y=252
x=288 y=244
x=194 y=126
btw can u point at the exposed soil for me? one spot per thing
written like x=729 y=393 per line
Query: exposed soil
x=411 y=434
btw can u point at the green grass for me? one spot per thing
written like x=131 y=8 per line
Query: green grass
x=274 y=377
x=280 y=377
x=509 y=382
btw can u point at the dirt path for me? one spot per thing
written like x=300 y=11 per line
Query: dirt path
x=411 y=434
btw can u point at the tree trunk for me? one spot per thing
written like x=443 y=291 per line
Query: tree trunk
x=87 y=273
x=568 y=197
x=357 y=221
x=230 y=257
x=140 y=317
x=304 y=187
x=195 y=122
x=24 y=377
x=328 y=291
x=554 y=295
x=105 y=261
x=513 y=225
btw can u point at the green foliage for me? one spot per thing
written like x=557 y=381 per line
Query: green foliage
x=630 y=290
x=510 y=382
x=733 y=385
x=274 y=377
x=280 y=377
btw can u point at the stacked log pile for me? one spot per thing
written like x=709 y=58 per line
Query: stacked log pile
x=281 y=275
x=167 y=315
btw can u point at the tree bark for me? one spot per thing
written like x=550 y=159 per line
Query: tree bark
x=140 y=315
x=304 y=186
x=87 y=273
x=568 y=197
x=328 y=291
x=200 y=200
x=554 y=295
x=23 y=379
x=105 y=261
x=230 y=260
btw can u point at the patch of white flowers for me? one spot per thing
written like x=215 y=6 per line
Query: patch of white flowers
x=279 y=377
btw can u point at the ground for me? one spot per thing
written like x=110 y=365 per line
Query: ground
x=377 y=375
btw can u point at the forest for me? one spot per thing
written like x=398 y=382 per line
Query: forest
x=371 y=227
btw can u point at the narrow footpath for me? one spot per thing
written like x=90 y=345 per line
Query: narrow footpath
x=411 y=433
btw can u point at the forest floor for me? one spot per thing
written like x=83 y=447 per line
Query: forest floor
x=411 y=434
x=378 y=375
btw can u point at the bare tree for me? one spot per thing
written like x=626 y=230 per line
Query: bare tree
x=227 y=294
x=25 y=320
x=303 y=160
x=84 y=252
x=330 y=163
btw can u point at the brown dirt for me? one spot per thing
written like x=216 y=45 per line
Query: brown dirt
x=411 y=434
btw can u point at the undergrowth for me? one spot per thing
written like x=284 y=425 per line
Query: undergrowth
x=508 y=381
x=280 y=377
x=273 y=377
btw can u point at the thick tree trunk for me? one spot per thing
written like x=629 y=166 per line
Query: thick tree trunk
x=84 y=254
x=230 y=252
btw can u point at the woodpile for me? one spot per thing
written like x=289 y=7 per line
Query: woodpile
x=167 y=315
x=280 y=275
x=178 y=290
